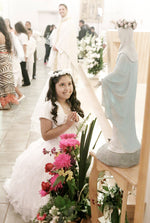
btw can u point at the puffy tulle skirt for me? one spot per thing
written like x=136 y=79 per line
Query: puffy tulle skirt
x=25 y=183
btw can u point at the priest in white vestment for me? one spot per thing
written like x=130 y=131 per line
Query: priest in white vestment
x=119 y=92
x=64 y=50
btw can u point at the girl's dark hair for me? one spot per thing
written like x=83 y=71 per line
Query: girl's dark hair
x=9 y=23
x=47 y=30
x=63 y=5
x=5 y=32
x=73 y=102
x=20 y=28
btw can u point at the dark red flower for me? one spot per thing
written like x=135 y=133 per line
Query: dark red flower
x=41 y=218
x=48 y=167
x=45 y=186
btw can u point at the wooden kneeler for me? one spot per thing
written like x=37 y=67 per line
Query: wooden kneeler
x=124 y=177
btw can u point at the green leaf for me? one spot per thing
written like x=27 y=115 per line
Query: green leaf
x=58 y=180
x=59 y=202
x=84 y=149
x=83 y=123
x=105 y=188
x=97 y=139
x=115 y=218
x=72 y=188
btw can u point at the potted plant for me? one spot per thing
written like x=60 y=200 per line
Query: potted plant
x=109 y=200
x=68 y=186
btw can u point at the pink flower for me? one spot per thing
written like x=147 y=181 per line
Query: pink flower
x=62 y=160
x=45 y=151
x=53 y=150
x=43 y=193
x=52 y=181
x=70 y=142
x=67 y=136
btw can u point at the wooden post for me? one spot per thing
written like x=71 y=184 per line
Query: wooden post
x=144 y=158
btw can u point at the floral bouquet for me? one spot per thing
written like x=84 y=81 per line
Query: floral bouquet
x=91 y=49
x=95 y=56
x=110 y=200
x=68 y=187
x=84 y=45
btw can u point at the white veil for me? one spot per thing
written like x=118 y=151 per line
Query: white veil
x=127 y=45
x=35 y=122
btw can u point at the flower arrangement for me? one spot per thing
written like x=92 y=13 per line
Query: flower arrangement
x=126 y=24
x=84 y=45
x=95 y=56
x=91 y=49
x=68 y=187
x=110 y=200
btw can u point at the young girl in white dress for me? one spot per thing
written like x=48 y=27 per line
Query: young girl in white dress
x=60 y=114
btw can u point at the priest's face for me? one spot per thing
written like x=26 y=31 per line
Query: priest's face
x=62 y=11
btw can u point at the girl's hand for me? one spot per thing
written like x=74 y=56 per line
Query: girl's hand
x=76 y=117
x=72 y=117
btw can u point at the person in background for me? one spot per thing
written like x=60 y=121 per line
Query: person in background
x=52 y=36
x=21 y=32
x=92 y=31
x=17 y=57
x=64 y=51
x=30 y=53
x=47 y=34
x=83 y=29
x=7 y=87
x=38 y=37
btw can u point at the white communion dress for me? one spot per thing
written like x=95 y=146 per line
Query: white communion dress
x=29 y=170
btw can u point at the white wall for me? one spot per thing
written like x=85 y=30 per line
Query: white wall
x=46 y=11
x=128 y=9
x=39 y=12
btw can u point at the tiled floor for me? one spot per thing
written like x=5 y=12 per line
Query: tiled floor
x=15 y=134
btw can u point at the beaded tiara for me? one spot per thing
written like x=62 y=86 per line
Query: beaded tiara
x=59 y=72
x=122 y=23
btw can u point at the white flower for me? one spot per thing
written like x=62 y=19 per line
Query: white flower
x=126 y=24
x=60 y=72
x=112 y=195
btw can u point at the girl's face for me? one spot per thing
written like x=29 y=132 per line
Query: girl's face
x=62 y=11
x=64 y=88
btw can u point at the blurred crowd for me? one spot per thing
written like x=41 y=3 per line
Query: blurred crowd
x=18 y=56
